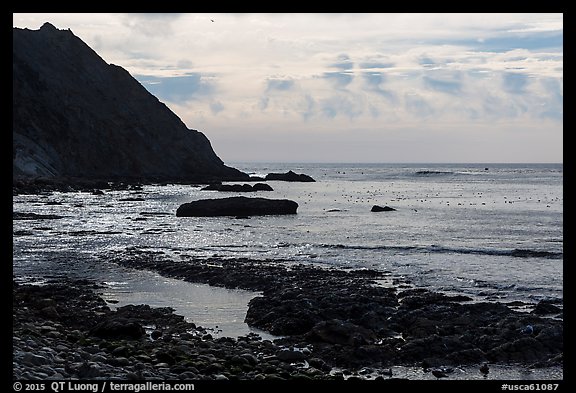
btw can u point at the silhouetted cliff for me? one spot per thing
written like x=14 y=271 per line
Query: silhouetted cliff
x=74 y=115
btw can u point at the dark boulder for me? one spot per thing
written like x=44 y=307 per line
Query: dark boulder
x=212 y=187
x=118 y=327
x=262 y=187
x=377 y=208
x=229 y=187
x=336 y=331
x=289 y=176
x=545 y=307
x=238 y=187
x=236 y=206
x=288 y=355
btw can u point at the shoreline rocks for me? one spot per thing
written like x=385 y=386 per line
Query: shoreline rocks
x=58 y=334
x=354 y=322
x=64 y=330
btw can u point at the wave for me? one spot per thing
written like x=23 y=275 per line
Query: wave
x=432 y=249
x=518 y=253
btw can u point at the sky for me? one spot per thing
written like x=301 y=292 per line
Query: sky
x=373 y=87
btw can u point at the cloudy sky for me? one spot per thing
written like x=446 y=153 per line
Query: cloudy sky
x=347 y=87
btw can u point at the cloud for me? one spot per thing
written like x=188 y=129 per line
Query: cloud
x=449 y=86
x=307 y=107
x=193 y=86
x=552 y=40
x=416 y=105
x=375 y=82
x=151 y=24
x=279 y=85
x=552 y=99
x=343 y=62
x=344 y=76
x=375 y=65
x=374 y=79
x=339 y=80
x=263 y=103
x=426 y=62
x=514 y=82
x=216 y=107
x=276 y=89
x=338 y=72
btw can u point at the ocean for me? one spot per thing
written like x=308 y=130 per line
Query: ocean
x=488 y=231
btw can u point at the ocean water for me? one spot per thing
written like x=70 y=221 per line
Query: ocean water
x=488 y=231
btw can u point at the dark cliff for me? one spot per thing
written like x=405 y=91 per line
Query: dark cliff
x=75 y=116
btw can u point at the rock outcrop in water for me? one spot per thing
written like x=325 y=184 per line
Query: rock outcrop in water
x=238 y=187
x=75 y=116
x=289 y=176
x=377 y=208
x=237 y=206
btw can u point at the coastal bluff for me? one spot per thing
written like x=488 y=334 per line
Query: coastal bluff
x=77 y=117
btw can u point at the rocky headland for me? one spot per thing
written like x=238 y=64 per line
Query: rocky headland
x=78 y=118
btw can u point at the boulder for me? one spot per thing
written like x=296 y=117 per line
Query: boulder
x=336 y=331
x=289 y=176
x=236 y=206
x=545 y=307
x=262 y=187
x=377 y=208
x=117 y=327
x=287 y=355
x=238 y=187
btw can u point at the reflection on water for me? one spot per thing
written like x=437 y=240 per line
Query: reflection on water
x=220 y=310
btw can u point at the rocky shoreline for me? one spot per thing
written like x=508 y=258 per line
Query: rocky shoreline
x=335 y=324
x=64 y=330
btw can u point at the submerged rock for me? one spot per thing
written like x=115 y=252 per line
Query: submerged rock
x=237 y=206
x=34 y=216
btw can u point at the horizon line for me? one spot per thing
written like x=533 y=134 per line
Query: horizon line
x=397 y=162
